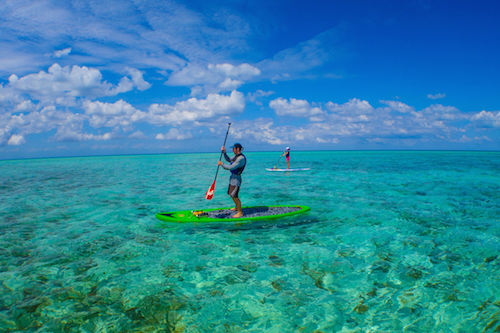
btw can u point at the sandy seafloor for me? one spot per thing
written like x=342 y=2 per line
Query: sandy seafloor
x=399 y=241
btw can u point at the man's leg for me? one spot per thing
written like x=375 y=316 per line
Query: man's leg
x=237 y=202
x=233 y=193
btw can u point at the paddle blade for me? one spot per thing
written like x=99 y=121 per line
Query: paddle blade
x=210 y=193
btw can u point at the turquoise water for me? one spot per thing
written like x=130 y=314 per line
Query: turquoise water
x=395 y=241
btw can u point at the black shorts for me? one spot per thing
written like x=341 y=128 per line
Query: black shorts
x=233 y=191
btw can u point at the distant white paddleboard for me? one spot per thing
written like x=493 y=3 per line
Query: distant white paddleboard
x=287 y=170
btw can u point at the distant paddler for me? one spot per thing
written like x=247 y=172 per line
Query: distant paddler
x=286 y=153
x=238 y=163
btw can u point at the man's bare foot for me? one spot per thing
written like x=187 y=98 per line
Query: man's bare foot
x=239 y=214
x=233 y=209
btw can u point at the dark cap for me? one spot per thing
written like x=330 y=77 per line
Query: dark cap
x=237 y=145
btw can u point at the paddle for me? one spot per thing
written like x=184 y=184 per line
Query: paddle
x=210 y=193
x=274 y=167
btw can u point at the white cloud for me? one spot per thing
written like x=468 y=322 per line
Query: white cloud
x=442 y=112
x=398 y=106
x=66 y=123
x=137 y=79
x=294 y=107
x=16 y=140
x=329 y=140
x=358 y=120
x=195 y=110
x=466 y=139
x=118 y=114
x=174 y=134
x=25 y=106
x=23 y=116
x=64 y=84
x=137 y=135
x=353 y=107
x=436 y=96
x=30 y=104
x=487 y=118
x=9 y=97
x=62 y=53
x=229 y=84
x=213 y=78
x=258 y=95
x=65 y=134
x=244 y=71
x=266 y=131
x=261 y=130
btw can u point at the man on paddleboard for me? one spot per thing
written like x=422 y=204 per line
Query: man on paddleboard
x=238 y=163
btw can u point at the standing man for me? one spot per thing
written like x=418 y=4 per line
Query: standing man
x=238 y=163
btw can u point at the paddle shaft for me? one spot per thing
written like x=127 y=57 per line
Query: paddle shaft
x=220 y=157
x=279 y=159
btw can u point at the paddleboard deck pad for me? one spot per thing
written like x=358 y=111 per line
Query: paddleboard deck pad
x=225 y=214
x=282 y=170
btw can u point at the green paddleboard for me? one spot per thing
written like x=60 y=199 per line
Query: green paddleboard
x=224 y=214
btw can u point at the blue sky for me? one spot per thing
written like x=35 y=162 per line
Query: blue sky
x=126 y=77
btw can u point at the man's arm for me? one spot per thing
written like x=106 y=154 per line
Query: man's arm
x=238 y=162
x=226 y=156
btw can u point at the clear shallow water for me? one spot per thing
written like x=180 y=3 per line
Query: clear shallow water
x=395 y=241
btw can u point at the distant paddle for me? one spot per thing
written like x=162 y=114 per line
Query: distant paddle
x=210 y=193
x=274 y=167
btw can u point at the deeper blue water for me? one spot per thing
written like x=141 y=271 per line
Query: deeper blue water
x=395 y=241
